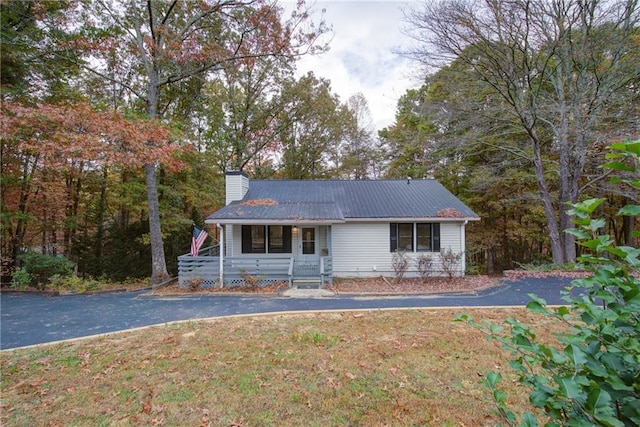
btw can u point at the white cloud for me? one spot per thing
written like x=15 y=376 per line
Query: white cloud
x=361 y=56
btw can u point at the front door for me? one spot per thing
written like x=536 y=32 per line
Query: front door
x=307 y=261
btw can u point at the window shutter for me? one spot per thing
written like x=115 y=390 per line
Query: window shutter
x=435 y=230
x=286 y=239
x=246 y=239
x=393 y=236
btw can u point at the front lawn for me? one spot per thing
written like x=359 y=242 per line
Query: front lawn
x=405 y=367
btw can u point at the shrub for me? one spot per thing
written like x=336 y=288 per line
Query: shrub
x=450 y=261
x=73 y=283
x=195 y=282
x=424 y=264
x=21 y=279
x=400 y=264
x=41 y=267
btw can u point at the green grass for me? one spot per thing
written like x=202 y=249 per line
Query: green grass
x=394 y=368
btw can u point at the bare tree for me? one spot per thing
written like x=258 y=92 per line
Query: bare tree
x=555 y=65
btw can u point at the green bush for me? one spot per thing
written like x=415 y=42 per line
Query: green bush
x=592 y=375
x=73 y=283
x=21 y=279
x=41 y=267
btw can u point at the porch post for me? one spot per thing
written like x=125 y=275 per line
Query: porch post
x=221 y=252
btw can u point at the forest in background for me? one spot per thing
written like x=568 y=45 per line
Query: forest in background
x=120 y=119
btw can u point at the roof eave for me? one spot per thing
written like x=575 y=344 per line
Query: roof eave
x=258 y=221
x=248 y=221
x=413 y=219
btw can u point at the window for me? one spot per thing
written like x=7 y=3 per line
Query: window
x=405 y=237
x=308 y=241
x=253 y=239
x=280 y=239
x=259 y=239
x=425 y=235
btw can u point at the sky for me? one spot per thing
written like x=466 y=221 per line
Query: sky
x=361 y=56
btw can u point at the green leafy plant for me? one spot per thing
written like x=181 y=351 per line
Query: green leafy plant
x=591 y=376
x=21 y=279
x=41 y=267
x=73 y=283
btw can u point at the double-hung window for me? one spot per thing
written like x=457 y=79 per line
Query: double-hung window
x=414 y=237
x=261 y=239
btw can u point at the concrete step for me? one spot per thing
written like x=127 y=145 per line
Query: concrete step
x=310 y=283
x=307 y=293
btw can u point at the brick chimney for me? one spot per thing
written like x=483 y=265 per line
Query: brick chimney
x=236 y=185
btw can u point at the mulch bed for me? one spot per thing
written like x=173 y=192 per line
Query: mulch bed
x=271 y=289
x=373 y=285
x=388 y=285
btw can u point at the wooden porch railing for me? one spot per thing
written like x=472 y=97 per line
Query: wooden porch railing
x=204 y=270
x=326 y=269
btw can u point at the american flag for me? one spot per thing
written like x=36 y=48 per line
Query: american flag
x=199 y=236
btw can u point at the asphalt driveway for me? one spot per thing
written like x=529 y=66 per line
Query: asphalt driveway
x=34 y=319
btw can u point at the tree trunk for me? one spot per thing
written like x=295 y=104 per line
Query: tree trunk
x=102 y=206
x=628 y=224
x=550 y=213
x=158 y=264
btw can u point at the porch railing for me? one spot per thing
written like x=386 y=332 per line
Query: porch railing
x=204 y=270
x=326 y=269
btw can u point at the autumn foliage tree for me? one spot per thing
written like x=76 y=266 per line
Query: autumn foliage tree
x=148 y=49
x=48 y=152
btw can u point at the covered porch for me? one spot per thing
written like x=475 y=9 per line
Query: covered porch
x=258 y=255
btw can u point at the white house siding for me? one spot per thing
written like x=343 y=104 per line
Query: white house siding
x=323 y=239
x=236 y=241
x=362 y=249
x=450 y=237
x=236 y=186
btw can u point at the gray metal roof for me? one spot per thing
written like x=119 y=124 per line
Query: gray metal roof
x=341 y=200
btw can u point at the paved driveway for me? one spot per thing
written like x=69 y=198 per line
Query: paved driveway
x=35 y=319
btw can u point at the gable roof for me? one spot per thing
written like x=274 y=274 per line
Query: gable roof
x=341 y=200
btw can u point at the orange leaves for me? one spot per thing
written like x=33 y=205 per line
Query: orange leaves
x=72 y=133
x=449 y=213
x=260 y=202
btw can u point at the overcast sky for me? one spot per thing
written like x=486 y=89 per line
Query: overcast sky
x=361 y=56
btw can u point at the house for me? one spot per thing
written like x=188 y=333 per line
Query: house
x=296 y=230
